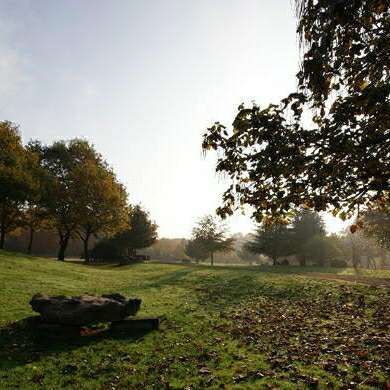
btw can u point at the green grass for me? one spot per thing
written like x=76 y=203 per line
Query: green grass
x=222 y=327
x=377 y=273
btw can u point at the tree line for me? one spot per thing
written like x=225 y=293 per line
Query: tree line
x=67 y=187
x=303 y=241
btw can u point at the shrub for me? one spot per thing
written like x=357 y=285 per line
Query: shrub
x=106 y=250
x=339 y=263
x=282 y=262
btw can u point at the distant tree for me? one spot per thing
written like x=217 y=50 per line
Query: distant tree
x=342 y=249
x=377 y=226
x=376 y=221
x=273 y=241
x=305 y=226
x=320 y=249
x=277 y=160
x=196 y=250
x=100 y=201
x=141 y=231
x=167 y=249
x=246 y=255
x=212 y=236
x=361 y=247
x=179 y=249
x=16 y=183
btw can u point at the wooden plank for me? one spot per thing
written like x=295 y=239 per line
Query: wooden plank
x=130 y=324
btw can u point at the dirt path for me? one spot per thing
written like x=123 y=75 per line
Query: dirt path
x=369 y=281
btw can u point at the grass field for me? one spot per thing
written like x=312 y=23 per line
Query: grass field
x=221 y=328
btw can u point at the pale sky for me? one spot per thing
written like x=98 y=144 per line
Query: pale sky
x=142 y=80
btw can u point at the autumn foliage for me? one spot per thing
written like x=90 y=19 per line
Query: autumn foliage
x=325 y=146
x=66 y=187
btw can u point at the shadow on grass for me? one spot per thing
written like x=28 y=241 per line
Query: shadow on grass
x=293 y=269
x=173 y=278
x=224 y=294
x=107 y=265
x=21 y=342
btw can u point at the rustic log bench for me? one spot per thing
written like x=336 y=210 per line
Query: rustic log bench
x=72 y=316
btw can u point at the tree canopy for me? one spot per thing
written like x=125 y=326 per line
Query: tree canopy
x=101 y=204
x=17 y=182
x=279 y=160
x=81 y=193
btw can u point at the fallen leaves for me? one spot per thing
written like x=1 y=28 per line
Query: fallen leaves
x=249 y=375
x=342 y=334
x=204 y=371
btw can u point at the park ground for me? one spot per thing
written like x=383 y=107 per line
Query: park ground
x=221 y=327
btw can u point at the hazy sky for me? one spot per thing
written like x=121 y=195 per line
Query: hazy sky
x=142 y=80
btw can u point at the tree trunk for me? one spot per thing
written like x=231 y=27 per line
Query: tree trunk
x=86 y=250
x=30 y=241
x=85 y=240
x=383 y=256
x=355 y=257
x=131 y=252
x=64 y=239
x=2 y=228
x=302 y=261
x=371 y=262
x=61 y=252
x=275 y=261
x=2 y=238
x=212 y=258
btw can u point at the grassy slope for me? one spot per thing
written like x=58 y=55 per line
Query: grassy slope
x=225 y=326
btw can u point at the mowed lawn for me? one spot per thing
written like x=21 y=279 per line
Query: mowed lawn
x=221 y=327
